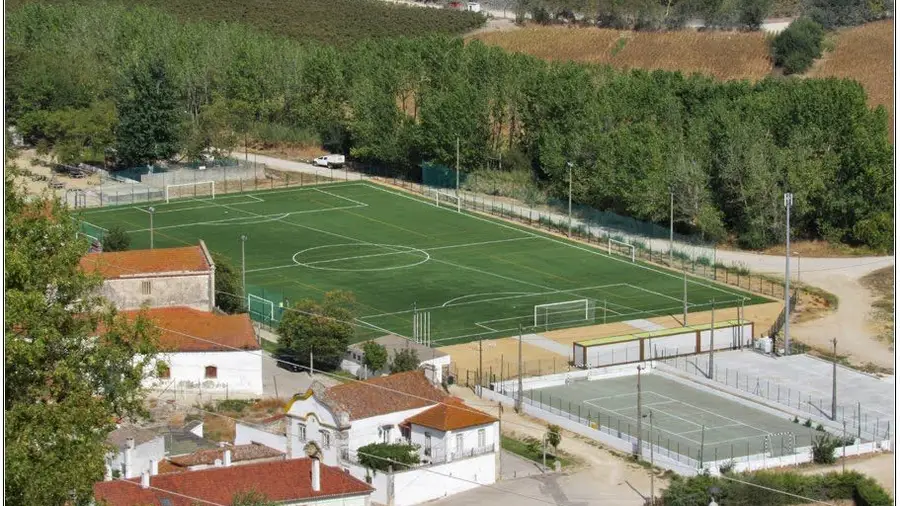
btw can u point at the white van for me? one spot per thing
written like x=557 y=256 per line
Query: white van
x=329 y=161
x=473 y=6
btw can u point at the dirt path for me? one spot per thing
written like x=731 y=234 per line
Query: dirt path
x=609 y=472
x=880 y=467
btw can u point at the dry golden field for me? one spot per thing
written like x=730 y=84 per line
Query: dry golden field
x=725 y=55
x=864 y=53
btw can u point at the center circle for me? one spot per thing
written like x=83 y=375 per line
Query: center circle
x=364 y=252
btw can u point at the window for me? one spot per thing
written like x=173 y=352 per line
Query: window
x=145 y=288
x=301 y=431
x=384 y=432
x=211 y=372
x=163 y=371
x=482 y=438
x=459 y=443
x=427 y=444
x=326 y=439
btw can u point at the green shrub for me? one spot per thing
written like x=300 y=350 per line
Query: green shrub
x=823 y=447
x=236 y=405
x=869 y=493
x=116 y=239
x=379 y=456
x=796 y=47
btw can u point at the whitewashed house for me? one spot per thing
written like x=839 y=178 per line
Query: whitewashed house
x=162 y=277
x=454 y=441
x=288 y=482
x=207 y=352
x=434 y=362
x=135 y=449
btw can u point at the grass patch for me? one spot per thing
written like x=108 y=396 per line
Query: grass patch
x=342 y=376
x=530 y=448
x=269 y=346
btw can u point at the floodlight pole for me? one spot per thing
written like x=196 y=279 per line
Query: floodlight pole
x=151 y=210
x=458 y=205
x=640 y=446
x=788 y=202
x=712 y=333
x=569 y=164
x=519 y=391
x=834 y=380
x=652 y=472
x=480 y=368
x=684 y=297
x=243 y=266
x=671 y=227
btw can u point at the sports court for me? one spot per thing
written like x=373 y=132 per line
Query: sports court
x=460 y=275
x=685 y=419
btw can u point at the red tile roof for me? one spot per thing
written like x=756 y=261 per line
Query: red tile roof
x=282 y=481
x=239 y=453
x=387 y=394
x=214 y=332
x=117 y=264
x=451 y=415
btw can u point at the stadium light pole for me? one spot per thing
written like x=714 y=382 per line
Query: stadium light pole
x=458 y=206
x=712 y=333
x=788 y=202
x=640 y=445
x=569 y=165
x=519 y=391
x=671 y=226
x=243 y=266
x=834 y=380
x=652 y=473
x=684 y=297
x=151 y=210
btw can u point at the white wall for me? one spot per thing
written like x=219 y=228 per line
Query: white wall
x=244 y=434
x=438 y=363
x=315 y=417
x=726 y=337
x=365 y=431
x=140 y=457
x=238 y=371
x=165 y=291
x=421 y=485
x=359 y=500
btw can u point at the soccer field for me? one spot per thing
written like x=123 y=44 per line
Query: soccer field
x=399 y=254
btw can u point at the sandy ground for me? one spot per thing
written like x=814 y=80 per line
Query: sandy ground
x=607 y=472
x=880 y=467
x=33 y=187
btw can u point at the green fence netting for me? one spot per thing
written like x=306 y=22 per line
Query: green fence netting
x=265 y=305
x=440 y=176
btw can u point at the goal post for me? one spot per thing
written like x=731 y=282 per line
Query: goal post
x=260 y=306
x=206 y=189
x=444 y=199
x=560 y=313
x=620 y=247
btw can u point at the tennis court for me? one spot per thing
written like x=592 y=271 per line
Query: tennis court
x=685 y=420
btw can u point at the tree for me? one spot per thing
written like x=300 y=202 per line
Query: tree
x=320 y=328
x=229 y=292
x=379 y=456
x=752 y=13
x=798 y=45
x=374 y=356
x=148 y=115
x=116 y=239
x=554 y=436
x=405 y=360
x=66 y=381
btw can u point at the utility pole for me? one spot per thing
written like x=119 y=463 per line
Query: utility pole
x=151 y=210
x=788 y=202
x=458 y=205
x=834 y=381
x=519 y=391
x=480 y=368
x=684 y=297
x=671 y=227
x=652 y=472
x=243 y=266
x=310 y=364
x=640 y=445
x=712 y=332
x=569 y=164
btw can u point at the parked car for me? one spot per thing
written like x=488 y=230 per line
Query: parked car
x=329 y=161
x=288 y=362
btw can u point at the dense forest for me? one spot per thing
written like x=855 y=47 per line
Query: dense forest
x=82 y=79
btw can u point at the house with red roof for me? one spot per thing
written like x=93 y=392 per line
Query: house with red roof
x=458 y=446
x=290 y=482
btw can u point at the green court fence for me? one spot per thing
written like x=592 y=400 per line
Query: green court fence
x=91 y=231
x=440 y=176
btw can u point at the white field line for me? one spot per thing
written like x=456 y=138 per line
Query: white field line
x=141 y=209
x=97 y=226
x=589 y=250
x=715 y=414
x=362 y=204
x=660 y=411
x=373 y=255
x=264 y=218
x=635 y=420
x=486 y=327
x=454 y=299
x=657 y=293
x=494 y=299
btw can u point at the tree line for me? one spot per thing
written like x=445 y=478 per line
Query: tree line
x=89 y=80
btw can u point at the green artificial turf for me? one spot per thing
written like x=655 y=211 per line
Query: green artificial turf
x=473 y=276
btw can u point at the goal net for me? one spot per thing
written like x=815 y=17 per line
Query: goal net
x=199 y=189
x=620 y=247
x=264 y=309
x=561 y=313
x=445 y=199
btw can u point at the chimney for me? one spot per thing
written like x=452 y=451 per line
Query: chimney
x=227 y=458
x=218 y=463
x=315 y=479
x=154 y=467
x=127 y=460
x=145 y=480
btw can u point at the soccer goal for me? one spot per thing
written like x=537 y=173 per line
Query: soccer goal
x=260 y=306
x=561 y=313
x=444 y=199
x=620 y=247
x=203 y=189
